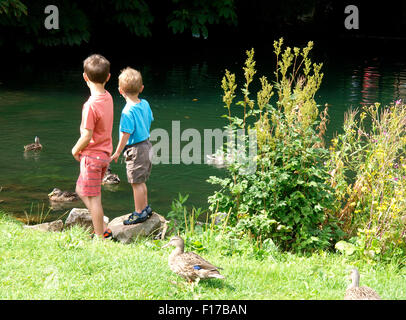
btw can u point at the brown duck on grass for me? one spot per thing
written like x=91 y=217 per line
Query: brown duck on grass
x=189 y=265
x=59 y=196
x=355 y=292
x=33 y=146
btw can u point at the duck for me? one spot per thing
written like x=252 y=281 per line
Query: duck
x=36 y=146
x=218 y=159
x=61 y=196
x=190 y=265
x=355 y=292
x=110 y=178
x=215 y=159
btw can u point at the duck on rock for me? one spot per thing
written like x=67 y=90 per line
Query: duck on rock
x=189 y=265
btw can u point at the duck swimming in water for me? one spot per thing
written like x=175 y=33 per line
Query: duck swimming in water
x=110 y=178
x=219 y=159
x=36 y=146
x=59 y=196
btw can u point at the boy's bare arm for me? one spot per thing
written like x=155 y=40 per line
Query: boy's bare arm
x=124 y=136
x=83 y=141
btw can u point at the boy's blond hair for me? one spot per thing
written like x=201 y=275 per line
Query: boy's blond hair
x=130 y=81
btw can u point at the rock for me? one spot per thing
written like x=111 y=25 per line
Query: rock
x=48 y=226
x=82 y=217
x=163 y=231
x=219 y=217
x=128 y=233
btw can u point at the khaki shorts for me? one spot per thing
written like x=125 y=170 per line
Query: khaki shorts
x=138 y=162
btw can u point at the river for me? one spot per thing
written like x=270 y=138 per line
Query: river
x=46 y=101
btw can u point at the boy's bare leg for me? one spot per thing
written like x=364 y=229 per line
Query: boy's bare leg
x=95 y=207
x=140 y=196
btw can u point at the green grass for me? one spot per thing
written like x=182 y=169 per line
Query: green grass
x=69 y=265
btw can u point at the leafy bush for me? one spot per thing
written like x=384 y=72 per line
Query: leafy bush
x=180 y=218
x=368 y=171
x=196 y=15
x=13 y=8
x=22 y=22
x=287 y=198
x=26 y=31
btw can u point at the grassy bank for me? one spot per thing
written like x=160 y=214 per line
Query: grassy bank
x=69 y=265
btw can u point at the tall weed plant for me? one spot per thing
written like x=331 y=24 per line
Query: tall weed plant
x=368 y=171
x=288 y=197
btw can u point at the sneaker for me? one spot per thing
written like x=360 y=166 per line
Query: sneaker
x=149 y=210
x=107 y=234
x=136 y=217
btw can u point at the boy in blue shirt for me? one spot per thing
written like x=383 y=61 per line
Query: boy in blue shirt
x=135 y=124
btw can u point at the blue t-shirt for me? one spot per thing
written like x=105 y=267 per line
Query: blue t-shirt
x=136 y=120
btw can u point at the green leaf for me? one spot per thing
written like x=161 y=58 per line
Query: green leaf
x=345 y=248
x=205 y=32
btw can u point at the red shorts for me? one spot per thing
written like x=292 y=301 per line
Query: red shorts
x=92 y=170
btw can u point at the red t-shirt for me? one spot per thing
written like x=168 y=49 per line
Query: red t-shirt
x=97 y=115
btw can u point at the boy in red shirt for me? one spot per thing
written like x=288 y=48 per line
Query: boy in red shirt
x=94 y=147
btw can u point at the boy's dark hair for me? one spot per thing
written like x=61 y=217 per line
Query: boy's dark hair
x=97 y=68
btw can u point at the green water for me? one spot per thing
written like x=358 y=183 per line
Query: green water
x=47 y=102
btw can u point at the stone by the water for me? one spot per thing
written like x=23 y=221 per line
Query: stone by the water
x=128 y=233
x=81 y=217
x=53 y=226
